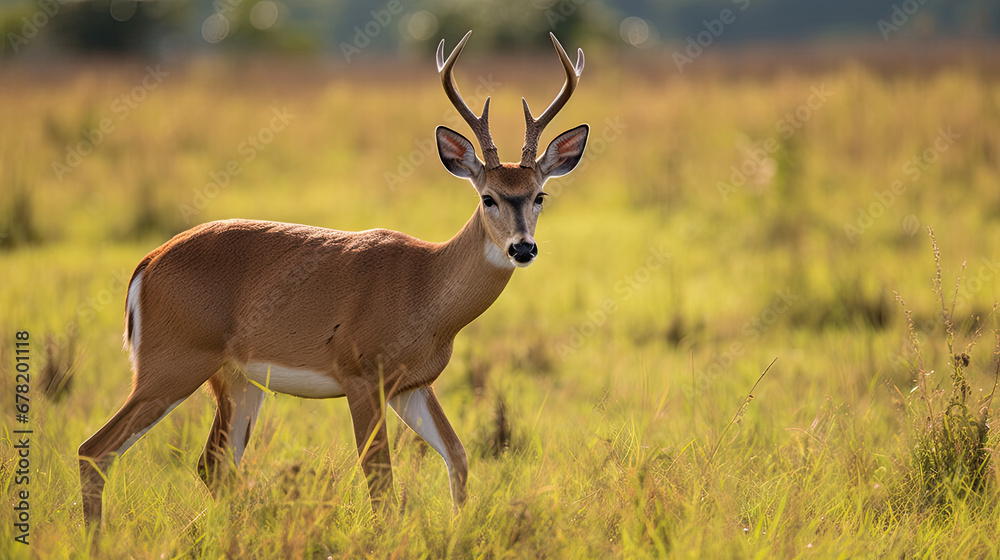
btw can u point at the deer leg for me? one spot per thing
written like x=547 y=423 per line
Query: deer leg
x=218 y=436
x=156 y=390
x=248 y=399
x=238 y=403
x=368 y=416
x=422 y=412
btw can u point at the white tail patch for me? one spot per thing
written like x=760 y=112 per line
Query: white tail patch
x=133 y=317
x=292 y=381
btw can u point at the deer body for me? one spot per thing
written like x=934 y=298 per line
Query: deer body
x=355 y=301
x=253 y=306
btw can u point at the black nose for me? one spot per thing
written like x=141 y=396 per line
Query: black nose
x=523 y=252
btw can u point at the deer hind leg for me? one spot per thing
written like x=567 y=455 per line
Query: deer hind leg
x=371 y=436
x=422 y=412
x=238 y=403
x=161 y=382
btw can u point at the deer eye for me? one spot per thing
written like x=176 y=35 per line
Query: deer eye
x=540 y=198
x=488 y=201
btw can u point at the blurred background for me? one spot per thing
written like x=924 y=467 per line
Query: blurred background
x=169 y=27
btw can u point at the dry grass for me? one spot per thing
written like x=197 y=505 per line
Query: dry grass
x=611 y=420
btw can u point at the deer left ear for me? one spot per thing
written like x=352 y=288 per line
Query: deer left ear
x=563 y=153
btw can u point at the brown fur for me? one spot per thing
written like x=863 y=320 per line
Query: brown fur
x=349 y=304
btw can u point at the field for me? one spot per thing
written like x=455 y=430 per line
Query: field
x=719 y=222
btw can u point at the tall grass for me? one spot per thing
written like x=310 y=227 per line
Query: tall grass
x=614 y=436
x=951 y=457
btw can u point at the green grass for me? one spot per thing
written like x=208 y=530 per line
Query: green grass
x=618 y=419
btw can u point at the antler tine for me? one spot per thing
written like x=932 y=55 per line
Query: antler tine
x=480 y=125
x=534 y=127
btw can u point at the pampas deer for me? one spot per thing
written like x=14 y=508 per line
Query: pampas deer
x=320 y=313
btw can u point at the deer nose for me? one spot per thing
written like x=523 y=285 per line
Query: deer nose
x=523 y=251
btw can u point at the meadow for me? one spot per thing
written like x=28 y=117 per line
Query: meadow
x=611 y=400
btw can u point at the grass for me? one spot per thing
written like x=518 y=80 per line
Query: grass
x=615 y=436
x=951 y=453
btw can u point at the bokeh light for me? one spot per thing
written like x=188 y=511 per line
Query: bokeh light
x=422 y=25
x=122 y=10
x=264 y=14
x=215 y=28
x=636 y=32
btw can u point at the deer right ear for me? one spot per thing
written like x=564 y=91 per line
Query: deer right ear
x=457 y=154
x=563 y=153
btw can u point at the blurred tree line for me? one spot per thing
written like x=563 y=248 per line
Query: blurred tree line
x=349 y=26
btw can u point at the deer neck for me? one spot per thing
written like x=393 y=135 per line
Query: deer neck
x=474 y=272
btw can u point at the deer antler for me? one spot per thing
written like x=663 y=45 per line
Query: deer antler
x=480 y=125
x=534 y=127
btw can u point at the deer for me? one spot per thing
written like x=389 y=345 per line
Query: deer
x=257 y=307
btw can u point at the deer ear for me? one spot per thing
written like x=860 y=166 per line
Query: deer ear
x=563 y=153
x=457 y=154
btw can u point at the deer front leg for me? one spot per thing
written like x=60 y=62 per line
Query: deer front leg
x=422 y=412
x=368 y=416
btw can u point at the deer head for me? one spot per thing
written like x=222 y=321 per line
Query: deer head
x=511 y=195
